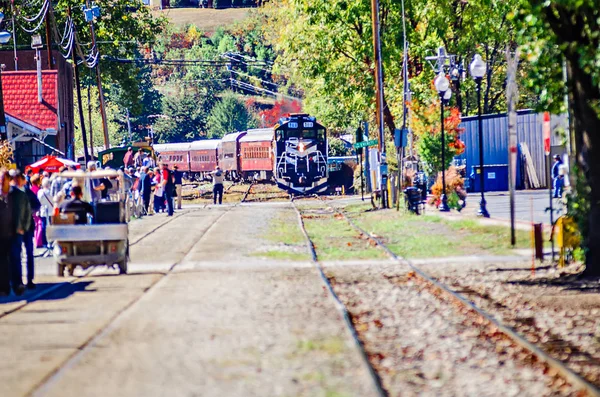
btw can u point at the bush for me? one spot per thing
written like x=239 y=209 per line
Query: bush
x=337 y=147
x=578 y=206
x=455 y=190
x=6 y=154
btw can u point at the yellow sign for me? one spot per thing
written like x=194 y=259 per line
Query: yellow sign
x=567 y=237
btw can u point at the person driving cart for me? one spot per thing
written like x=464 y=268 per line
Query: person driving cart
x=77 y=206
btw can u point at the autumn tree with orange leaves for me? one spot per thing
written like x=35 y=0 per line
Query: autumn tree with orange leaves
x=281 y=108
x=425 y=123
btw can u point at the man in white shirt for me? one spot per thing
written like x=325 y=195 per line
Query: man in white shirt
x=218 y=177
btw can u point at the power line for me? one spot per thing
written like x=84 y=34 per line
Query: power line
x=251 y=87
x=166 y=61
x=255 y=78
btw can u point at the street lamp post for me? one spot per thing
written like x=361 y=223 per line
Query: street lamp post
x=442 y=85
x=478 y=69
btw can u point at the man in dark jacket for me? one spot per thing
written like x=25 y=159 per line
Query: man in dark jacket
x=22 y=223
x=146 y=187
x=557 y=178
x=76 y=205
x=6 y=232
x=178 y=175
x=35 y=206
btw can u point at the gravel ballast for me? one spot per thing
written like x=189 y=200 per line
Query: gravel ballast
x=423 y=345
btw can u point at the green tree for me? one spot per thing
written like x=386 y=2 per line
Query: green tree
x=551 y=31
x=426 y=126
x=121 y=28
x=229 y=115
x=337 y=147
x=463 y=28
x=325 y=48
x=144 y=101
x=185 y=117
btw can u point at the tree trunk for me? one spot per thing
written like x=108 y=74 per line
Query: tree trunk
x=586 y=123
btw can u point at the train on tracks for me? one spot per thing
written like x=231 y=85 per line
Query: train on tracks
x=293 y=154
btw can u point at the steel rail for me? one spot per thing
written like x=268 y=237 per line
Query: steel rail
x=568 y=374
x=341 y=307
x=247 y=192
x=169 y=220
x=51 y=378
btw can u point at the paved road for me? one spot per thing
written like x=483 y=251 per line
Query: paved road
x=498 y=204
x=221 y=323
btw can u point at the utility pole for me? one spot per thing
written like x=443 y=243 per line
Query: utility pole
x=89 y=103
x=14 y=34
x=380 y=96
x=86 y=154
x=512 y=96
x=48 y=40
x=405 y=89
x=99 y=79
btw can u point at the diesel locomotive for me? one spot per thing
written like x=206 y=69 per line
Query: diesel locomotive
x=300 y=154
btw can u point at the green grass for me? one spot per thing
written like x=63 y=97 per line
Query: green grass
x=332 y=345
x=407 y=235
x=206 y=19
x=334 y=239
x=493 y=238
x=284 y=229
x=430 y=236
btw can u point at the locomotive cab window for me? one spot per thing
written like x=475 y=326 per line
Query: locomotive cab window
x=293 y=134
x=309 y=134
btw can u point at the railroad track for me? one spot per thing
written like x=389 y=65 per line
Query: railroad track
x=44 y=385
x=341 y=307
x=269 y=193
x=482 y=317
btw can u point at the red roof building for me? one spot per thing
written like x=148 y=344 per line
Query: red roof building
x=35 y=128
x=20 y=94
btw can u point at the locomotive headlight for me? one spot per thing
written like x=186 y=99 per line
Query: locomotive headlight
x=301 y=147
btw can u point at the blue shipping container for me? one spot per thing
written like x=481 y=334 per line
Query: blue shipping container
x=495 y=139
x=495 y=178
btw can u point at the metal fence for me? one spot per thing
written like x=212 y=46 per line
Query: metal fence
x=495 y=138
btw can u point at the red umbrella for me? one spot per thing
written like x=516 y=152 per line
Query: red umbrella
x=52 y=164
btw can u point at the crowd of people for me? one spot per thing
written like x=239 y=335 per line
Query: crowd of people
x=29 y=200
x=26 y=202
x=159 y=187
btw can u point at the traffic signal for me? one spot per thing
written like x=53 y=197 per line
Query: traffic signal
x=359 y=138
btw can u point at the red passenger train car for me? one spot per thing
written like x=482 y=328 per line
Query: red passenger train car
x=230 y=155
x=174 y=154
x=203 y=156
x=256 y=152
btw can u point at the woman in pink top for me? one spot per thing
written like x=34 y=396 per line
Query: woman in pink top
x=38 y=231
